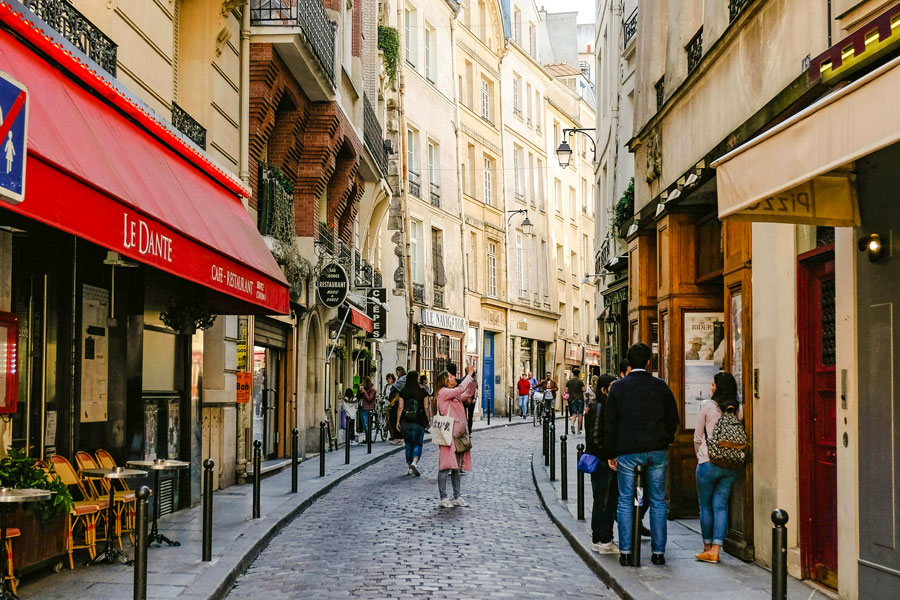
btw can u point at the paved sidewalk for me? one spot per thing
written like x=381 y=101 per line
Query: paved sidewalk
x=178 y=572
x=683 y=577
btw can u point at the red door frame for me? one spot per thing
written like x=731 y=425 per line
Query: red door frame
x=806 y=363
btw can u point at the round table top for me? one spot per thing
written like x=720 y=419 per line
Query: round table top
x=116 y=473
x=159 y=464
x=13 y=495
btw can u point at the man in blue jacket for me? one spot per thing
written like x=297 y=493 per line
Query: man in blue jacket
x=641 y=420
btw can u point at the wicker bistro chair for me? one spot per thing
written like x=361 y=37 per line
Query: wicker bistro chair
x=11 y=532
x=106 y=461
x=124 y=500
x=84 y=513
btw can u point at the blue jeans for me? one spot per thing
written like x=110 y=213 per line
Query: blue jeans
x=523 y=405
x=414 y=435
x=713 y=488
x=364 y=417
x=654 y=464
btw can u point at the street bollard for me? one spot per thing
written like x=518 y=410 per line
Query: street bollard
x=509 y=407
x=322 y=427
x=580 y=448
x=257 y=476
x=369 y=433
x=636 y=517
x=779 y=554
x=488 y=411
x=140 y=548
x=350 y=426
x=295 y=458
x=552 y=450
x=545 y=425
x=208 y=465
x=563 y=467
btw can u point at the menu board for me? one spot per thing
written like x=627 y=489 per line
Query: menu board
x=704 y=351
x=94 y=352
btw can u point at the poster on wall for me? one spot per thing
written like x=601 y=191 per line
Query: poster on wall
x=94 y=347
x=704 y=350
x=737 y=345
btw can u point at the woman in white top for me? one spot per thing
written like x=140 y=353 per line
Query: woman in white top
x=714 y=482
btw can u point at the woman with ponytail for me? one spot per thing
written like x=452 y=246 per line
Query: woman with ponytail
x=450 y=402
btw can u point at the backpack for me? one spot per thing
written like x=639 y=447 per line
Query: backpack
x=728 y=444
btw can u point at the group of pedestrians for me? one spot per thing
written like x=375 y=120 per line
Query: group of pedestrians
x=631 y=421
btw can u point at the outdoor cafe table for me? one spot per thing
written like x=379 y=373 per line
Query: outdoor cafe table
x=156 y=466
x=110 y=555
x=8 y=497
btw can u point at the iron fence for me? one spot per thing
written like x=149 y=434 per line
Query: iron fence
x=77 y=29
x=187 y=125
x=629 y=28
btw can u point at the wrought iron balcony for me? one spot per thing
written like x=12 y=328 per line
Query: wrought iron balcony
x=435 y=195
x=736 y=7
x=367 y=271
x=660 y=92
x=75 y=27
x=602 y=256
x=275 y=209
x=374 y=136
x=439 y=296
x=326 y=238
x=357 y=264
x=629 y=29
x=415 y=184
x=377 y=280
x=694 y=50
x=345 y=255
x=186 y=124
x=419 y=293
x=312 y=19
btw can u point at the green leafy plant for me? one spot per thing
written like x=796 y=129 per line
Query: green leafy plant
x=389 y=44
x=340 y=352
x=297 y=269
x=623 y=210
x=361 y=354
x=187 y=315
x=21 y=472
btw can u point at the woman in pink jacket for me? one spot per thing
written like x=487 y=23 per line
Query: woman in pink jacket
x=450 y=398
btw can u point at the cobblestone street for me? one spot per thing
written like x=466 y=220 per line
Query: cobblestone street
x=380 y=534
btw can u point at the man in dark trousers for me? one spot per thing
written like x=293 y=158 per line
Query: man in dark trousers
x=641 y=420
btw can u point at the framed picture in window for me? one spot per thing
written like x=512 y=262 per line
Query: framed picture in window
x=704 y=355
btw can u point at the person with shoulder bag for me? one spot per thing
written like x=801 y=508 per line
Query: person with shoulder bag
x=604 y=487
x=412 y=419
x=721 y=444
x=455 y=457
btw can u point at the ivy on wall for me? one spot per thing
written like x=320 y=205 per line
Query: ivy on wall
x=623 y=210
x=389 y=44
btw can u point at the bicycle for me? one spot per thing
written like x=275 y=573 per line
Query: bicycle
x=379 y=422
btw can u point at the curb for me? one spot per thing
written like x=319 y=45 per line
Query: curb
x=622 y=583
x=221 y=584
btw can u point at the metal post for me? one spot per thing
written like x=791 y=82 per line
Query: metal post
x=488 y=414
x=563 y=467
x=322 y=427
x=509 y=407
x=350 y=426
x=779 y=554
x=257 y=475
x=208 y=465
x=636 y=517
x=295 y=458
x=552 y=456
x=580 y=448
x=545 y=425
x=140 y=548
x=369 y=432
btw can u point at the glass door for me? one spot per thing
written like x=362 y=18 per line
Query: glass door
x=266 y=375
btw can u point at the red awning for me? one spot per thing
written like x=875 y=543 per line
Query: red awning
x=95 y=174
x=361 y=320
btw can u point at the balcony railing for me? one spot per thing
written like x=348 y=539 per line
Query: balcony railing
x=276 y=204
x=435 y=195
x=74 y=26
x=374 y=136
x=366 y=273
x=602 y=256
x=439 y=296
x=694 y=50
x=660 y=92
x=419 y=293
x=629 y=28
x=736 y=7
x=327 y=239
x=312 y=19
x=377 y=280
x=186 y=124
x=415 y=184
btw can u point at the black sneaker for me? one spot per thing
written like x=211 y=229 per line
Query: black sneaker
x=644 y=531
x=625 y=559
x=658 y=559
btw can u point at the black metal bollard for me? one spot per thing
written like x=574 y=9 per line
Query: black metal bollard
x=322 y=427
x=257 y=476
x=140 y=548
x=295 y=458
x=369 y=433
x=580 y=448
x=350 y=426
x=636 y=517
x=779 y=554
x=552 y=456
x=208 y=465
x=488 y=411
x=509 y=407
x=545 y=424
x=563 y=468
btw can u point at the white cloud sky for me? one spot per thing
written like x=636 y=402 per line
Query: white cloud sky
x=585 y=8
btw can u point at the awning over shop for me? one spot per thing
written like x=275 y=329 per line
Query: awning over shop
x=361 y=320
x=801 y=170
x=95 y=174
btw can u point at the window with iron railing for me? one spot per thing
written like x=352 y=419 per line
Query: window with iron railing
x=736 y=7
x=275 y=204
x=419 y=293
x=78 y=30
x=326 y=238
x=312 y=19
x=374 y=137
x=415 y=184
x=435 y=195
x=660 y=88
x=629 y=28
x=187 y=125
x=694 y=50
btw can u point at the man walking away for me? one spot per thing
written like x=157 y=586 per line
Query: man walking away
x=641 y=422
x=575 y=387
x=523 y=386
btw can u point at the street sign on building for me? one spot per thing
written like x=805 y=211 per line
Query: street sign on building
x=377 y=311
x=13 y=138
x=333 y=285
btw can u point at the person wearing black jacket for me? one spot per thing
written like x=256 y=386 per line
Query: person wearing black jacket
x=413 y=416
x=603 y=480
x=641 y=422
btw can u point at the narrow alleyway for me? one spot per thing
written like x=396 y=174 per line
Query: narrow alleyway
x=380 y=534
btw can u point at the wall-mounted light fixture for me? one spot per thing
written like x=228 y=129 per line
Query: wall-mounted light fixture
x=871 y=245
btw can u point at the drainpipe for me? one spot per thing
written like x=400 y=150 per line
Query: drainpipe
x=244 y=167
x=404 y=193
x=459 y=186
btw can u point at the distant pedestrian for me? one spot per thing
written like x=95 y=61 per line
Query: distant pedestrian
x=451 y=398
x=714 y=482
x=604 y=487
x=642 y=418
x=412 y=419
x=348 y=411
x=575 y=389
x=367 y=402
x=548 y=384
x=523 y=387
x=393 y=400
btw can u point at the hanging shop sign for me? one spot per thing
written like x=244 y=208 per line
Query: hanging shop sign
x=377 y=312
x=13 y=138
x=333 y=285
x=442 y=320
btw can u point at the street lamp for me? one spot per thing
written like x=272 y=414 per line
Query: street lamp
x=527 y=225
x=564 y=152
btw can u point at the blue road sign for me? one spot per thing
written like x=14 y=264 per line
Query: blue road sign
x=13 y=138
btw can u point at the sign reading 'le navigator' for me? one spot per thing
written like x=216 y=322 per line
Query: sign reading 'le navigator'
x=333 y=285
